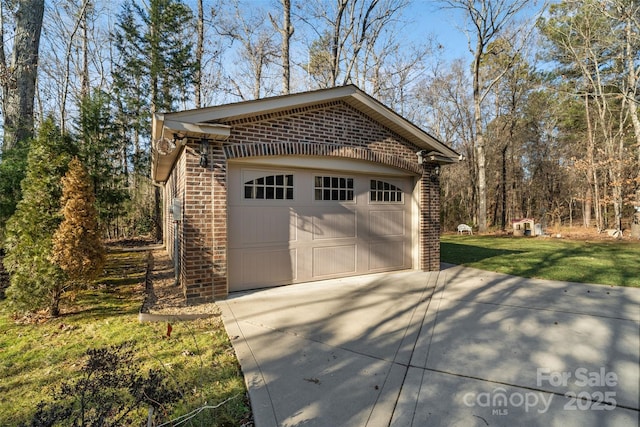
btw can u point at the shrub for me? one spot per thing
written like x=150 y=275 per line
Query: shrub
x=77 y=247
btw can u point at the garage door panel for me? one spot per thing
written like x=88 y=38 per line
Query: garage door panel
x=384 y=255
x=332 y=260
x=257 y=267
x=266 y=225
x=384 y=223
x=334 y=225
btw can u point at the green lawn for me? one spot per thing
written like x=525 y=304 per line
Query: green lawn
x=603 y=262
x=36 y=355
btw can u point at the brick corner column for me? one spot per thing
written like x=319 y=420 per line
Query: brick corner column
x=198 y=230
x=429 y=219
x=220 y=282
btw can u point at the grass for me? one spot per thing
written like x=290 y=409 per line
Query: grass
x=600 y=262
x=37 y=355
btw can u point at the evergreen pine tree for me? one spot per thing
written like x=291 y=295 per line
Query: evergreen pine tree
x=36 y=282
x=13 y=165
x=77 y=246
x=101 y=153
x=154 y=72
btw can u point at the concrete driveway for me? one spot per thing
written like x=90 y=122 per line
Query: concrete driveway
x=460 y=347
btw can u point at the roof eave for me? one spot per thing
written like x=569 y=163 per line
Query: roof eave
x=179 y=133
x=405 y=128
x=206 y=122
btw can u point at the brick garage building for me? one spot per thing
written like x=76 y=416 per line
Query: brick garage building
x=296 y=188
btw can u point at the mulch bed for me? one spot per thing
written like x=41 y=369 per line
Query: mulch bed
x=164 y=295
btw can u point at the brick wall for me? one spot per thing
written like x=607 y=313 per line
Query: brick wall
x=332 y=129
x=174 y=188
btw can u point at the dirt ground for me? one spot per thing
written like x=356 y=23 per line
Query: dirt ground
x=573 y=233
x=584 y=234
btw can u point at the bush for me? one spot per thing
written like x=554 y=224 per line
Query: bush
x=77 y=246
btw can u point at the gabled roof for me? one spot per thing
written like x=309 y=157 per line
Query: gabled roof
x=207 y=122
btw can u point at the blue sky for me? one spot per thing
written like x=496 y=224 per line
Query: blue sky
x=430 y=18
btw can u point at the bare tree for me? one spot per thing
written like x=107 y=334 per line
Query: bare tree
x=79 y=20
x=395 y=73
x=488 y=19
x=85 y=86
x=74 y=57
x=446 y=111
x=286 y=32
x=509 y=96
x=347 y=34
x=257 y=49
x=208 y=54
x=19 y=77
x=197 y=80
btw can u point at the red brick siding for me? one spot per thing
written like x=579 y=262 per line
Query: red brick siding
x=174 y=188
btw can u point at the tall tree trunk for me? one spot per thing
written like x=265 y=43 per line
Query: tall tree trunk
x=479 y=146
x=286 y=39
x=67 y=71
x=571 y=212
x=20 y=86
x=155 y=68
x=257 y=76
x=592 y=172
x=286 y=32
x=335 y=41
x=487 y=20
x=503 y=218
x=84 y=84
x=199 y=55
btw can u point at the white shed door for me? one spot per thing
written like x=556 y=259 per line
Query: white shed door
x=297 y=225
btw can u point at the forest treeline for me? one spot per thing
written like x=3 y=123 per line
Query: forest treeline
x=544 y=107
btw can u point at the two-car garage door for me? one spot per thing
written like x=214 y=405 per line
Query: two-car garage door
x=289 y=225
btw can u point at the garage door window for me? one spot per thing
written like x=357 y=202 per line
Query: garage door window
x=272 y=187
x=333 y=188
x=384 y=192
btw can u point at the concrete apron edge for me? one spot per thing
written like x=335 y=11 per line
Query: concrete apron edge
x=152 y=317
x=260 y=399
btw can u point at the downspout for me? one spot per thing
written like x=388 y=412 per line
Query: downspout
x=176 y=249
x=176 y=211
